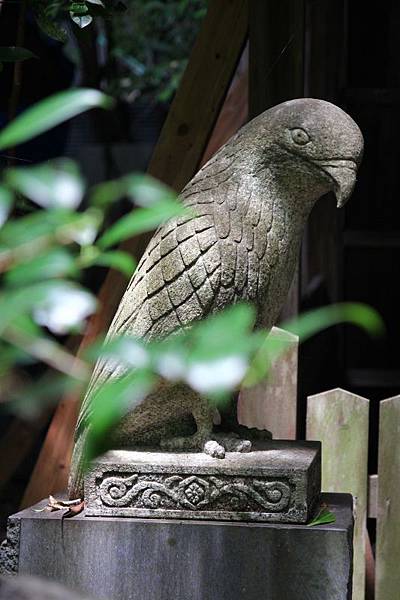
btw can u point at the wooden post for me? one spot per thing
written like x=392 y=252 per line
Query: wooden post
x=176 y=158
x=388 y=524
x=272 y=403
x=339 y=420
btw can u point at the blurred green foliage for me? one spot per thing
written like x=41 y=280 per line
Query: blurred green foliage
x=42 y=257
x=145 y=44
x=150 y=43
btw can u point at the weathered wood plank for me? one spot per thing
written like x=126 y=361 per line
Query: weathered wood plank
x=272 y=403
x=50 y=474
x=201 y=93
x=388 y=530
x=235 y=110
x=176 y=158
x=339 y=420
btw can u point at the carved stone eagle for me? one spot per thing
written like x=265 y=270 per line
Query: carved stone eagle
x=250 y=204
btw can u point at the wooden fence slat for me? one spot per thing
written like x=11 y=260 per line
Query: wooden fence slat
x=272 y=403
x=339 y=420
x=388 y=525
x=177 y=155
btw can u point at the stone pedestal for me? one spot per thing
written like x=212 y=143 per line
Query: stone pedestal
x=278 y=481
x=125 y=558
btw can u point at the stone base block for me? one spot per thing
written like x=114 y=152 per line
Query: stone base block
x=147 y=559
x=279 y=481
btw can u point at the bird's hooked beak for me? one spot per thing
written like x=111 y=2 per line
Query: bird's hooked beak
x=343 y=175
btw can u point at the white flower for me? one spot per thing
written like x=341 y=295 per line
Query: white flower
x=85 y=235
x=67 y=192
x=132 y=353
x=64 y=308
x=221 y=374
x=171 y=366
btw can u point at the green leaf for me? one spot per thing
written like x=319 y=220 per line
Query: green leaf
x=79 y=7
x=212 y=356
x=139 y=221
x=224 y=334
x=123 y=349
x=6 y=201
x=111 y=402
x=307 y=325
x=26 y=237
x=12 y=357
x=51 y=112
x=56 y=183
x=116 y=259
x=56 y=262
x=65 y=308
x=358 y=314
x=17 y=302
x=144 y=190
x=15 y=54
x=84 y=230
x=49 y=26
x=21 y=231
x=324 y=517
x=220 y=350
x=59 y=305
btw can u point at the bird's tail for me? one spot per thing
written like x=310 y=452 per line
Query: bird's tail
x=77 y=471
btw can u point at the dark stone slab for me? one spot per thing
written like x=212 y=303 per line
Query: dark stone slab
x=26 y=587
x=118 y=558
x=278 y=481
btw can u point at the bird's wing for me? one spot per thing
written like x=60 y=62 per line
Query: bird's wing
x=193 y=265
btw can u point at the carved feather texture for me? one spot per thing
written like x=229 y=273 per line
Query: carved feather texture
x=194 y=266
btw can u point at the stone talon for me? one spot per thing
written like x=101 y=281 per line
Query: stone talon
x=232 y=442
x=214 y=449
x=191 y=442
x=238 y=446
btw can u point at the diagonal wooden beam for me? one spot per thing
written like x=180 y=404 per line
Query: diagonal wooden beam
x=176 y=158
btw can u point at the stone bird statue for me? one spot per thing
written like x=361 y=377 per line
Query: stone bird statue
x=251 y=202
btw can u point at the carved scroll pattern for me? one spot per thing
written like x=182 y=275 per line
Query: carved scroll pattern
x=194 y=493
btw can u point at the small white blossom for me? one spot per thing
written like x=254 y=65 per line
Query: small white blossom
x=222 y=374
x=171 y=366
x=132 y=353
x=64 y=308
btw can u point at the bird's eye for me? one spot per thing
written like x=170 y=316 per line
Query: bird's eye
x=300 y=137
